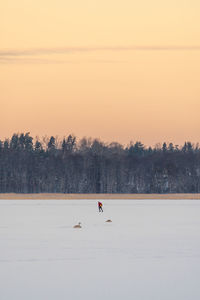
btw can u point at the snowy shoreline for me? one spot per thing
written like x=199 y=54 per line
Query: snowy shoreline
x=54 y=196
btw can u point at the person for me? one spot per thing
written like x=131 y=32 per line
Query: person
x=100 y=205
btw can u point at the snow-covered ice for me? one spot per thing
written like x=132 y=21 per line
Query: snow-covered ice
x=151 y=250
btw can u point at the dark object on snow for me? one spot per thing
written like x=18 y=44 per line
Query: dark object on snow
x=78 y=226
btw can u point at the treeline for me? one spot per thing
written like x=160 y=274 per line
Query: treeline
x=92 y=166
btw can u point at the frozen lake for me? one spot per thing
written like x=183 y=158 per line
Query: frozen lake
x=151 y=250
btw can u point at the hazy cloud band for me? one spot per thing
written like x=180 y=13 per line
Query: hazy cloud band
x=71 y=50
x=39 y=55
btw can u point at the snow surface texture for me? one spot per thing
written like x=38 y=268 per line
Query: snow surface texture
x=150 y=251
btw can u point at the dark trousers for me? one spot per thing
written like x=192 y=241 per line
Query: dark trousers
x=100 y=209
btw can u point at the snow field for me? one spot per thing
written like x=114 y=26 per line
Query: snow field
x=150 y=251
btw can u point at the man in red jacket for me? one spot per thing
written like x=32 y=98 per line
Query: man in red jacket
x=100 y=205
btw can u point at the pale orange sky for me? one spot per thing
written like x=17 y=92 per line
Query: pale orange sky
x=116 y=70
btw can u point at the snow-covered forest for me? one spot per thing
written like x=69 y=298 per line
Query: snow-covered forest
x=51 y=165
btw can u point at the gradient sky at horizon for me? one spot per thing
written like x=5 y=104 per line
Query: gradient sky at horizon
x=115 y=70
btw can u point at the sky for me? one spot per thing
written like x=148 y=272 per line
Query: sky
x=115 y=70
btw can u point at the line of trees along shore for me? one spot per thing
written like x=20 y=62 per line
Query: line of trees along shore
x=92 y=166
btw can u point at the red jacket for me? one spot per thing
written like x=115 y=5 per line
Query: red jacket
x=100 y=204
